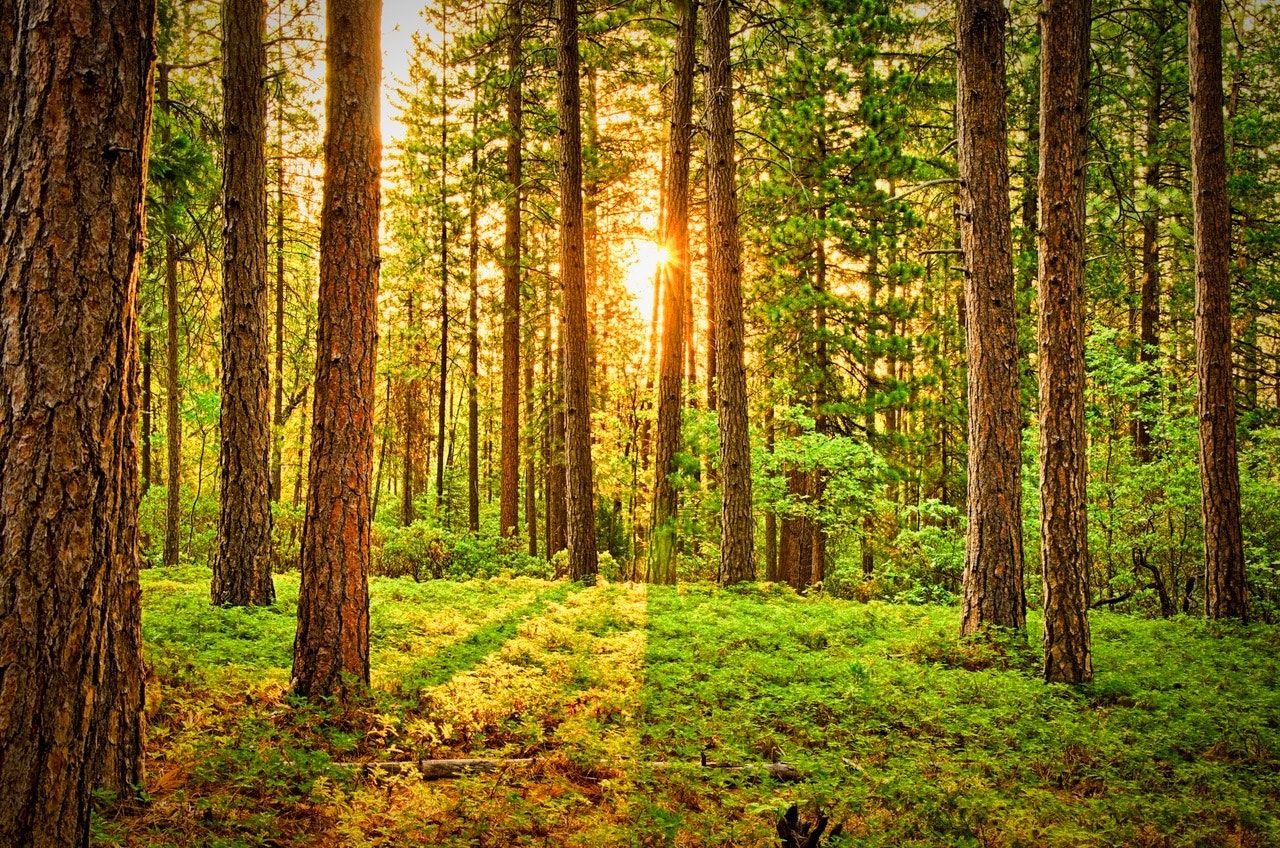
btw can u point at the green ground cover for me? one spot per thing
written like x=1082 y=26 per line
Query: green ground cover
x=907 y=734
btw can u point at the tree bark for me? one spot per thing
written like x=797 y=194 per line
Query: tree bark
x=473 y=332
x=242 y=566
x=72 y=178
x=509 y=491
x=1149 y=312
x=580 y=513
x=993 y=572
x=443 y=400
x=737 y=525
x=147 y=400
x=1225 y=592
x=277 y=413
x=172 y=386
x=331 y=649
x=675 y=239
x=411 y=426
x=1064 y=66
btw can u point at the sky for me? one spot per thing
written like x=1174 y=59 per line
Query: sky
x=400 y=20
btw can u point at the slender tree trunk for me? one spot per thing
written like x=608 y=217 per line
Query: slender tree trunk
x=530 y=460
x=473 y=332
x=737 y=526
x=410 y=431
x=172 y=387
x=1149 y=314
x=1225 y=593
x=1064 y=67
x=771 y=570
x=509 y=491
x=242 y=566
x=147 y=400
x=331 y=649
x=299 y=481
x=993 y=572
x=444 y=260
x=71 y=217
x=557 y=529
x=675 y=239
x=579 y=497
x=277 y=417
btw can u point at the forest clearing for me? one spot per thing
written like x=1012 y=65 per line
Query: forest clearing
x=795 y=423
x=900 y=732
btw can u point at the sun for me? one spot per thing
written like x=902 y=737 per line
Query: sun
x=641 y=261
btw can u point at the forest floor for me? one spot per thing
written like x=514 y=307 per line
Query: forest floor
x=907 y=734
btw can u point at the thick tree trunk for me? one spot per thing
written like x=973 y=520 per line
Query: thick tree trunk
x=331 y=649
x=71 y=218
x=242 y=566
x=509 y=491
x=172 y=387
x=1225 y=594
x=993 y=587
x=580 y=513
x=1064 y=66
x=737 y=525
x=675 y=239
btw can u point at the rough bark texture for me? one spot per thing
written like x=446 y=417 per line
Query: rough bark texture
x=172 y=387
x=557 y=531
x=993 y=571
x=737 y=526
x=675 y=238
x=331 y=649
x=1224 y=594
x=242 y=566
x=1064 y=538
x=509 y=491
x=73 y=163
x=580 y=513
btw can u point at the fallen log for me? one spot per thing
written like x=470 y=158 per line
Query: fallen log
x=455 y=768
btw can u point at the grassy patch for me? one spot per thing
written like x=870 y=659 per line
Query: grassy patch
x=908 y=734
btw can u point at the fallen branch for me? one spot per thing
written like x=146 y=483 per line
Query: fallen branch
x=451 y=769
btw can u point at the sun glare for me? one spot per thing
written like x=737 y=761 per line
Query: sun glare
x=643 y=259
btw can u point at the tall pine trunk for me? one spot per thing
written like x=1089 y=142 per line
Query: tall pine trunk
x=1224 y=591
x=1149 y=313
x=331 y=649
x=580 y=513
x=509 y=490
x=242 y=566
x=443 y=400
x=473 y=331
x=1064 y=67
x=72 y=182
x=675 y=238
x=993 y=571
x=172 y=384
x=737 y=525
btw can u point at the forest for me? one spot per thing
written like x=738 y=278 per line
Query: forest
x=639 y=423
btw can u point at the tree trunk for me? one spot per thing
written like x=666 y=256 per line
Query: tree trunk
x=443 y=401
x=410 y=430
x=277 y=416
x=1149 y=314
x=557 y=529
x=172 y=388
x=1064 y=66
x=993 y=587
x=737 y=526
x=331 y=649
x=530 y=460
x=579 y=498
x=147 y=400
x=675 y=239
x=242 y=566
x=509 y=494
x=473 y=332
x=1225 y=594
x=72 y=182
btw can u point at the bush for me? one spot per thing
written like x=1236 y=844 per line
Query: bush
x=424 y=551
